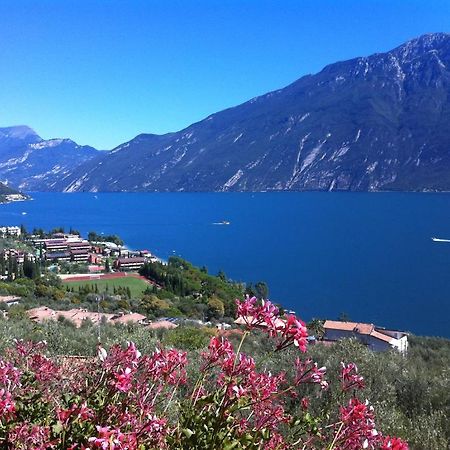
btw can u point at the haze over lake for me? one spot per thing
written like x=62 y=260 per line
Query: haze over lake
x=367 y=255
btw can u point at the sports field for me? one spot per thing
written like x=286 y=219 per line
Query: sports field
x=137 y=285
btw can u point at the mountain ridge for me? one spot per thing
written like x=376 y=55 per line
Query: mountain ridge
x=369 y=123
x=32 y=163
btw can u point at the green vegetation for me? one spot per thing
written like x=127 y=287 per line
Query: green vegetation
x=205 y=296
x=137 y=286
x=411 y=394
x=94 y=237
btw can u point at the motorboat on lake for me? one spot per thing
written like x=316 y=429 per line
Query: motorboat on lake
x=435 y=239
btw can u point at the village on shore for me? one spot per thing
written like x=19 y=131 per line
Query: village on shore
x=98 y=258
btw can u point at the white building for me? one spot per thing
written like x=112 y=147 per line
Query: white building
x=10 y=231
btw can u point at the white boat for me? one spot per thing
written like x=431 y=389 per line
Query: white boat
x=435 y=239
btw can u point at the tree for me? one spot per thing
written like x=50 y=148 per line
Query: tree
x=262 y=290
x=92 y=236
x=154 y=306
x=222 y=275
x=29 y=268
x=344 y=317
x=216 y=310
x=107 y=266
x=316 y=328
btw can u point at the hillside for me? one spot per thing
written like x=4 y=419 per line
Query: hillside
x=8 y=194
x=32 y=163
x=370 y=123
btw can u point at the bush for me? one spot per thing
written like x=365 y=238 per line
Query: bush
x=124 y=400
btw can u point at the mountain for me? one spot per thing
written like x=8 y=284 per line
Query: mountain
x=370 y=123
x=32 y=163
x=8 y=194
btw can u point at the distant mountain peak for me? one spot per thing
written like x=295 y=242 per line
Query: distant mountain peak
x=18 y=132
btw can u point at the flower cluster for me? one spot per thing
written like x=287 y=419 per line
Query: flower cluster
x=265 y=315
x=308 y=372
x=123 y=400
x=350 y=378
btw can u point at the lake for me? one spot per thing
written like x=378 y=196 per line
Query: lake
x=368 y=255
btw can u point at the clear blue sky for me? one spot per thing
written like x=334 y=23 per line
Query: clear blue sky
x=102 y=72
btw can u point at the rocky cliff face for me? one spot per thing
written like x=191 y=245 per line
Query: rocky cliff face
x=32 y=163
x=370 y=123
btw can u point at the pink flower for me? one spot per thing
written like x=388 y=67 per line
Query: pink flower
x=108 y=439
x=9 y=375
x=123 y=380
x=30 y=437
x=257 y=313
x=218 y=349
x=44 y=369
x=392 y=443
x=166 y=366
x=293 y=332
x=7 y=405
x=350 y=378
x=308 y=372
x=263 y=314
x=358 y=426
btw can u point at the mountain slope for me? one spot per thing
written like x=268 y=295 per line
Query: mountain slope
x=370 y=123
x=32 y=163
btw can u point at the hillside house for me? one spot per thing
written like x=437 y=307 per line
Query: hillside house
x=376 y=338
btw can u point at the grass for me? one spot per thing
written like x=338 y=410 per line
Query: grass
x=137 y=286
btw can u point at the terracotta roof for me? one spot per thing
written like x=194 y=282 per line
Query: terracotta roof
x=77 y=316
x=381 y=336
x=362 y=328
x=132 y=317
x=41 y=313
x=356 y=327
x=161 y=324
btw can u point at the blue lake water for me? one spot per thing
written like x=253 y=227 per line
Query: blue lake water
x=368 y=255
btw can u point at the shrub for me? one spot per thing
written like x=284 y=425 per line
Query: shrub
x=124 y=400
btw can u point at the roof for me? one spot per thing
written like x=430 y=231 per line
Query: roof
x=367 y=329
x=161 y=324
x=79 y=252
x=132 y=317
x=41 y=313
x=77 y=316
x=79 y=244
x=130 y=260
x=9 y=298
x=55 y=241
x=357 y=327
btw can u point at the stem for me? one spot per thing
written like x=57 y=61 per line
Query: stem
x=336 y=437
x=244 y=335
x=170 y=400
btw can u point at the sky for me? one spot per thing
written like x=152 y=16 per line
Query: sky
x=101 y=72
